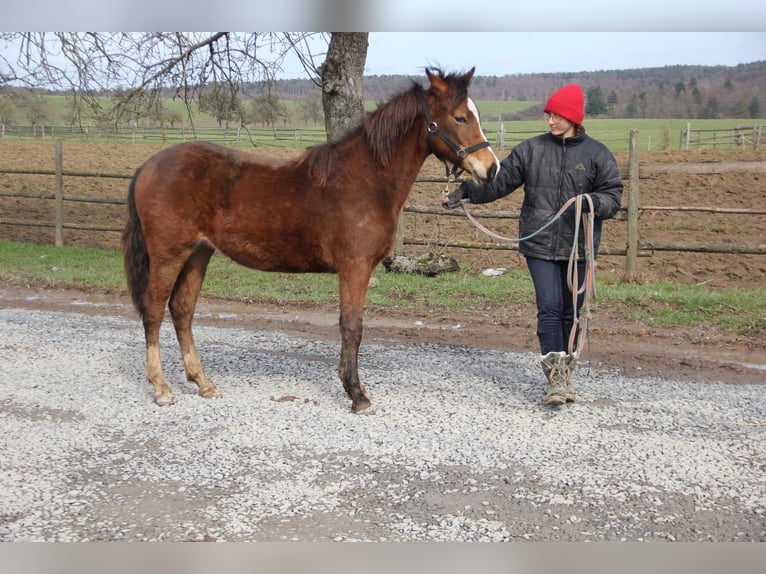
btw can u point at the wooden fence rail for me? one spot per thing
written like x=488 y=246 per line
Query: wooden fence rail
x=277 y=137
x=634 y=247
x=739 y=137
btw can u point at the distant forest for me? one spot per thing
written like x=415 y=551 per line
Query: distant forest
x=667 y=92
x=671 y=92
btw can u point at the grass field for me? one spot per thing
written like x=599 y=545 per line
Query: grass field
x=735 y=310
x=654 y=134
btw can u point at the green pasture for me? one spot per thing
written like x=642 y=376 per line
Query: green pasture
x=461 y=292
x=654 y=134
x=59 y=108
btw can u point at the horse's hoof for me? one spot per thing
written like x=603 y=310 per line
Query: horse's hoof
x=211 y=393
x=360 y=405
x=165 y=399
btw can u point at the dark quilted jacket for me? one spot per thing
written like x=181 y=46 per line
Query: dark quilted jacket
x=552 y=171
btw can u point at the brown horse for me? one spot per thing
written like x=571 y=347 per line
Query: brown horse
x=334 y=209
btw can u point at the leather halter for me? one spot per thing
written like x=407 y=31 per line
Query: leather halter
x=461 y=152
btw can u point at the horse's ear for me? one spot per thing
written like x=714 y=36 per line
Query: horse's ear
x=433 y=72
x=436 y=78
x=469 y=75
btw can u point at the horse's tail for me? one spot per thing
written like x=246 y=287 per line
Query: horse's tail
x=134 y=251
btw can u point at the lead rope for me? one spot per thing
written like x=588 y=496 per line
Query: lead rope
x=588 y=287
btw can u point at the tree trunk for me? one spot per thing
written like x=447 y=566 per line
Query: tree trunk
x=341 y=76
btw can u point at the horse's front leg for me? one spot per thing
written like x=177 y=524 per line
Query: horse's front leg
x=353 y=290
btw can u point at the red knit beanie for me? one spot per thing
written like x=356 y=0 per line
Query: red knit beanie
x=568 y=102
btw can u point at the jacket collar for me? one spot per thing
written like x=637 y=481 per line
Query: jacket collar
x=574 y=140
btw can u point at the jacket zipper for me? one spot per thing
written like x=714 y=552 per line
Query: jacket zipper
x=554 y=243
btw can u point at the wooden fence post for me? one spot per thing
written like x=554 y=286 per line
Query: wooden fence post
x=399 y=241
x=59 y=234
x=631 y=262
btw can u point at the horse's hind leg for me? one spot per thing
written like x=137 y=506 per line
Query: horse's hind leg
x=183 y=301
x=159 y=287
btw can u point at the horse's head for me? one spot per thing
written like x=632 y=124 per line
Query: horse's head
x=454 y=126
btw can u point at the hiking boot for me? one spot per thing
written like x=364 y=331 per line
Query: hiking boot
x=570 y=362
x=556 y=369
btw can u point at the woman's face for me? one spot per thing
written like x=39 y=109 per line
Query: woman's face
x=559 y=126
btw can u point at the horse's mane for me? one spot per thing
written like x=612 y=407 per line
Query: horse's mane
x=383 y=128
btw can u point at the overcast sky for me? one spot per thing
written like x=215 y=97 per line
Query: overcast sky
x=392 y=15
x=500 y=53
x=500 y=37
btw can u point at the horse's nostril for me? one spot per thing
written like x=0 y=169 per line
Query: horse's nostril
x=492 y=171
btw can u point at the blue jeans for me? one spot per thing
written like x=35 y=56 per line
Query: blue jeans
x=555 y=309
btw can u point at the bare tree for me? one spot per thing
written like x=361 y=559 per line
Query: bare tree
x=311 y=108
x=267 y=109
x=7 y=109
x=35 y=107
x=143 y=67
x=221 y=102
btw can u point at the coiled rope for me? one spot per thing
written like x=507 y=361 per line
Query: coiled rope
x=588 y=287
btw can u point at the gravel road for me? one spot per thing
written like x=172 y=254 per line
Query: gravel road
x=459 y=446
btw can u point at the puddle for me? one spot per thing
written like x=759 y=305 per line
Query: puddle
x=217 y=315
x=82 y=303
x=751 y=366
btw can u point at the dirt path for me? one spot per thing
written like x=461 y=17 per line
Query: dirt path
x=703 y=354
x=458 y=446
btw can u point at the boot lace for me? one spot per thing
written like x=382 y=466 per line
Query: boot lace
x=558 y=376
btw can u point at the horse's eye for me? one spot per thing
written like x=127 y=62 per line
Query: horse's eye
x=460 y=120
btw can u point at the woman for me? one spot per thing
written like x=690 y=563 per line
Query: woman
x=553 y=168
